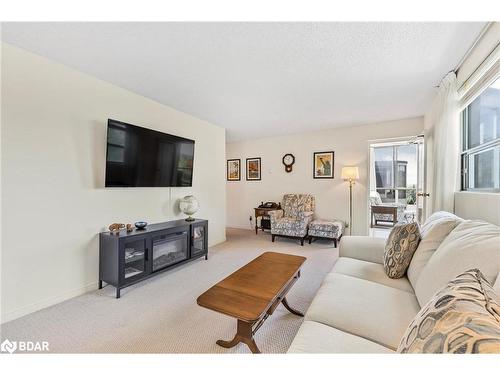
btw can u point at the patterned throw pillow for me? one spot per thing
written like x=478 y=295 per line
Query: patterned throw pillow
x=463 y=317
x=399 y=249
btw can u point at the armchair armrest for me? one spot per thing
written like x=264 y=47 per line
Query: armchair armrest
x=274 y=216
x=277 y=214
x=370 y=249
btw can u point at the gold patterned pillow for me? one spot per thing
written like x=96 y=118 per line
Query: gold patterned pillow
x=399 y=249
x=463 y=317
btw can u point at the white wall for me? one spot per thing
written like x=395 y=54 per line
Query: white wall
x=332 y=196
x=53 y=158
x=483 y=206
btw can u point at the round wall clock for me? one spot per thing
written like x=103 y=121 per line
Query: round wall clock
x=288 y=161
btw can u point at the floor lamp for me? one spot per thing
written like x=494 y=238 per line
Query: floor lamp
x=350 y=174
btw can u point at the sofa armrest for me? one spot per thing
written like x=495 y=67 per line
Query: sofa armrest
x=370 y=249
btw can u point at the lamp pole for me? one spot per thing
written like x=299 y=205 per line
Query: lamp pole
x=350 y=174
x=351 y=182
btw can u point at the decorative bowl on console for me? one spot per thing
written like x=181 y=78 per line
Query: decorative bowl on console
x=140 y=224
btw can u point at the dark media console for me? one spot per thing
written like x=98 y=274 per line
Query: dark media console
x=127 y=258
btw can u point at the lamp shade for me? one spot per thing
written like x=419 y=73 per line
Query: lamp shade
x=350 y=173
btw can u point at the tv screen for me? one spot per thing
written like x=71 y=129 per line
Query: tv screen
x=140 y=157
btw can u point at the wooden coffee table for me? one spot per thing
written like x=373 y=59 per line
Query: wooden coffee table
x=252 y=293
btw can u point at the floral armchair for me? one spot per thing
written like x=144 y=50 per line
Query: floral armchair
x=293 y=220
x=376 y=202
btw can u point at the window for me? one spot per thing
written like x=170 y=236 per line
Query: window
x=481 y=141
x=395 y=172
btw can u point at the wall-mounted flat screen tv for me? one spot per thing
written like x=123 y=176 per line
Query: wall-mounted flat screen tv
x=140 y=157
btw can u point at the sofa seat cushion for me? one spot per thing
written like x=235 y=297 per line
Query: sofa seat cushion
x=433 y=232
x=472 y=244
x=314 y=337
x=364 y=308
x=371 y=272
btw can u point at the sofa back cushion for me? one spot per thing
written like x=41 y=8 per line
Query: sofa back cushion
x=472 y=244
x=435 y=229
x=437 y=216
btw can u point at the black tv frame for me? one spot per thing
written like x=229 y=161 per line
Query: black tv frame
x=152 y=130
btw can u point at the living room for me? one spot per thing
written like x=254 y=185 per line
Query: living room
x=251 y=187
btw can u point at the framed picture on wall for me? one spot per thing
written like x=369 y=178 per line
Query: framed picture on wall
x=233 y=167
x=323 y=164
x=253 y=169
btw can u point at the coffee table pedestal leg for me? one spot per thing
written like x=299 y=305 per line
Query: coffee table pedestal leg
x=244 y=334
x=291 y=309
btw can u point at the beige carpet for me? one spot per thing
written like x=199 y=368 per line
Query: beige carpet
x=160 y=315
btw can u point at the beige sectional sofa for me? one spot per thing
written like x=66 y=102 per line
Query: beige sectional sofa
x=359 y=309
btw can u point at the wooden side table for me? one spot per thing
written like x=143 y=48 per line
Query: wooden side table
x=263 y=213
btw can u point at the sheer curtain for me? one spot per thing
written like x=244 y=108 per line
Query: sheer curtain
x=442 y=133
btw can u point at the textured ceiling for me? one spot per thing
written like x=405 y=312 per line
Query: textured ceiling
x=259 y=79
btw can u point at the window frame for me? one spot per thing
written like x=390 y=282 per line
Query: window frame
x=395 y=170
x=467 y=152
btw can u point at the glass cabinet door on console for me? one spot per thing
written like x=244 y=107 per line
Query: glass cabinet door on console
x=134 y=259
x=169 y=248
x=198 y=240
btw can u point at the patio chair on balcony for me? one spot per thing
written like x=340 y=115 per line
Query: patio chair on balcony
x=389 y=213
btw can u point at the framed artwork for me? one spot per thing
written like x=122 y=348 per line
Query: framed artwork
x=233 y=169
x=253 y=169
x=323 y=164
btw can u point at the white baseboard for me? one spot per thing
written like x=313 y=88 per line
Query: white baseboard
x=216 y=241
x=39 y=305
x=239 y=227
x=31 y=308
x=47 y=302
